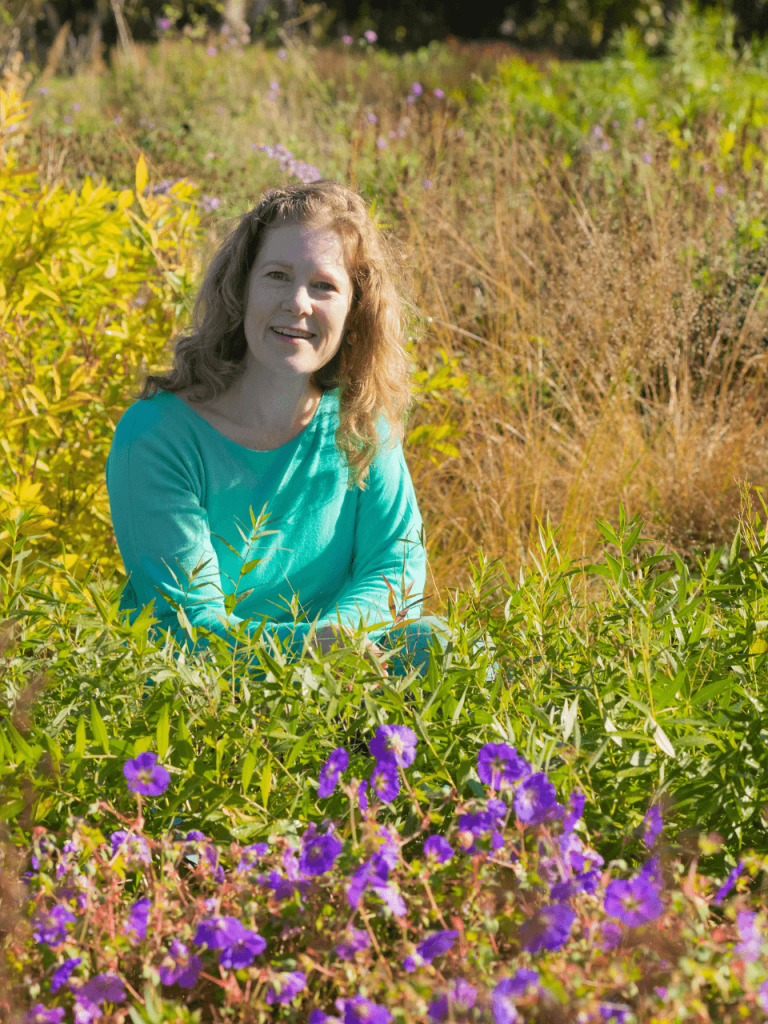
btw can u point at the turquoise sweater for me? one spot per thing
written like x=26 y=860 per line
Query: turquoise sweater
x=182 y=494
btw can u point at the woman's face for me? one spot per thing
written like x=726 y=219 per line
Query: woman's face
x=299 y=294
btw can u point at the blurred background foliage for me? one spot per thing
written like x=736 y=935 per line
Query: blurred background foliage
x=67 y=33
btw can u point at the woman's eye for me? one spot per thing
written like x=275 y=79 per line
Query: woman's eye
x=325 y=284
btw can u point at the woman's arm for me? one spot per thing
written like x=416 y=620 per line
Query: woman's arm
x=156 y=485
x=388 y=544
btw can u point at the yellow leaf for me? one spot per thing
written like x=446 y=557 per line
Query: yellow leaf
x=126 y=197
x=141 y=175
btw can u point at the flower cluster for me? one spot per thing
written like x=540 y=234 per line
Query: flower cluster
x=355 y=923
x=288 y=163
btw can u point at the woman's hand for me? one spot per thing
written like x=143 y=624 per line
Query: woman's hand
x=329 y=636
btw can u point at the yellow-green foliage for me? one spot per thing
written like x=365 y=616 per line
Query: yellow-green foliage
x=90 y=283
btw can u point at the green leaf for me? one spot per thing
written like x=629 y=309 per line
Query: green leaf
x=80 y=738
x=266 y=780
x=246 y=772
x=99 y=729
x=163 y=732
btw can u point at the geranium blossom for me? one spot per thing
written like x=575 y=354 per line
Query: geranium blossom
x=337 y=763
x=318 y=852
x=285 y=986
x=385 y=782
x=40 y=1015
x=355 y=942
x=534 y=799
x=498 y=763
x=438 y=848
x=653 y=825
x=62 y=974
x=51 y=926
x=103 y=988
x=359 y=1010
x=549 y=928
x=138 y=918
x=634 y=901
x=145 y=776
x=459 y=999
x=394 y=744
x=178 y=967
x=426 y=951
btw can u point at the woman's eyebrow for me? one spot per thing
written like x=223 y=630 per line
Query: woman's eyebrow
x=328 y=271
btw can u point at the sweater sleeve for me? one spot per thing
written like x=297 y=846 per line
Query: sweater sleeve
x=388 y=543
x=155 y=488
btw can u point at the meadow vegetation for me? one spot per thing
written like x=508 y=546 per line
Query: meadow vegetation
x=586 y=249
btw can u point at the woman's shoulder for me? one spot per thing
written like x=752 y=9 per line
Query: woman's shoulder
x=148 y=417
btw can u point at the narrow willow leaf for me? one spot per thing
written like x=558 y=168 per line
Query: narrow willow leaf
x=266 y=780
x=246 y=772
x=80 y=738
x=163 y=732
x=99 y=729
x=662 y=741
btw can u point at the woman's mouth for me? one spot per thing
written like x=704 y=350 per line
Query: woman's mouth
x=293 y=334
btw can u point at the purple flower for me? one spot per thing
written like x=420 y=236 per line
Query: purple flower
x=417 y=89
x=211 y=860
x=359 y=1010
x=586 y=882
x=439 y=94
x=729 y=883
x=498 y=763
x=426 y=951
x=103 y=988
x=381 y=142
x=51 y=926
x=282 y=54
x=337 y=763
x=518 y=985
x=164 y=24
x=439 y=849
x=762 y=996
x=611 y=935
x=250 y=854
x=653 y=825
x=719 y=189
x=548 y=929
x=634 y=901
x=534 y=799
x=502 y=1004
x=61 y=974
x=388 y=848
x=145 y=776
x=39 y=1015
x=194 y=836
x=385 y=782
x=347 y=40
x=362 y=798
x=239 y=945
x=370 y=36
x=211 y=51
x=647 y=158
x=318 y=852
x=371 y=118
x=356 y=943
x=639 y=123
x=394 y=744
x=359 y=881
x=85 y=1010
x=615 y=1012
x=285 y=987
x=131 y=847
x=138 y=918
x=576 y=805
x=178 y=967
x=460 y=998
x=749 y=947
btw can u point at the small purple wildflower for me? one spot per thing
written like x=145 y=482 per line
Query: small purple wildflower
x=178 y=967
x=653 y=825
x=40 y=1015
x=164 y=24
x=67 y=119
x=614 y=1013
x=498 y=763
x=43 y=90
x=359 y=1010
x=434 y=945
x=611 y=935
x=597 y=132
x=370 y=36
x=282 y=54
x=534 y=799
x=459 y=999
x=62 y=974
x=337 y=763
x=439 y=849
x=394 y=744
x=639 y=123
x=362 y=797
x=439 y=94
x=385 y=782
x=518 y=985
x=719 y=189
x=250 y=854
x=284 y=988
x=211 y=51
x=359 y=881
x=576 y=805
x=77 y=107
x=347 y=40
x=130 y=847
x=103 y=988
x=548 y=929
x=647 y=158
x=426 y=183
x=381 y=142
x=145 y=776
x=502 y=1004
x=356 y=942
x=762 y=996
x=729 y=883
x=194 y=836
x=748 y=949
x=239 y=945
x=86 y=1011
x=51 y=927
x=634 y=901
x=138 y=919
x=318 y=851
x=371 y=118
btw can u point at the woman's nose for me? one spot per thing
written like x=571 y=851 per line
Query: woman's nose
x=297 y=300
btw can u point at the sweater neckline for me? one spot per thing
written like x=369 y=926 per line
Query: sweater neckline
x=256 y=451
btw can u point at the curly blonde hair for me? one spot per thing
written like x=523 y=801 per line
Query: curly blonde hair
x=371 y=368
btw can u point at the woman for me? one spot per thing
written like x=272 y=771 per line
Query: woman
x=288 y=395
